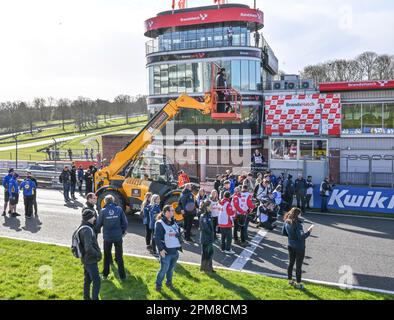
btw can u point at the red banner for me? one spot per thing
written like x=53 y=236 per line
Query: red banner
x=303 y=115
x=356 y=86
x=216 y=15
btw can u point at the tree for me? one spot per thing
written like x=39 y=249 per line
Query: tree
x=367 y=61
x=63 y=106
x=124 y=103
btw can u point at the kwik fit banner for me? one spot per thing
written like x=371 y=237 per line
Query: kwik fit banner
x=362 y=199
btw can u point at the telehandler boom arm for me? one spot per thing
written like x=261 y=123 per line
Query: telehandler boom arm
x=142 y=140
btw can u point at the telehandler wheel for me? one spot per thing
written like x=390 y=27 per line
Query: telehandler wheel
x=117 y=196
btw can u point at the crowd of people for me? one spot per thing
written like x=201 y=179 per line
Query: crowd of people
x=73 y=178
x=12 y=189
x=223 y=217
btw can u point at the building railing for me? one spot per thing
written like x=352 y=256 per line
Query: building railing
x=153 y=46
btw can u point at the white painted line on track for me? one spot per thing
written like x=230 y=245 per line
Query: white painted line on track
x=270 y=275
x=246 y=254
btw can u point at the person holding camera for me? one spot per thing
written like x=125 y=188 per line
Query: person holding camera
x=325 y=190
x=294 y=231
x=168 y=241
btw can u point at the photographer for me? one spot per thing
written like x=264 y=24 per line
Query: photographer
x=168 y=242
x=325 y=190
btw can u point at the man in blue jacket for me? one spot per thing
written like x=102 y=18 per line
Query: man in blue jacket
x=13 y=190
x=28 y=187
x=114 y=223
x=6 y=181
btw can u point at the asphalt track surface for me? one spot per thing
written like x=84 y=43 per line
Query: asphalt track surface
x=363 y=246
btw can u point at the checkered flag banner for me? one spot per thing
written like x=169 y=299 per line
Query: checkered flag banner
x=303 y=115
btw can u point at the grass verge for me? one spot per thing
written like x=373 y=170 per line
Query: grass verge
x=25 y=268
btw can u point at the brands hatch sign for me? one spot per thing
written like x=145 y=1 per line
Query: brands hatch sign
x=363 y=199
x=181 y=19
x=356 y=86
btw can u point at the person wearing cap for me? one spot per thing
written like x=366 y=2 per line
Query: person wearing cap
x=13 y=190
x=6 y=181
x=91 y=256
x=28 y=188
x=114 y=223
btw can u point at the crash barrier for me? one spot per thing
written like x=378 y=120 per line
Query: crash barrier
x=358 y=199
x=49 y=180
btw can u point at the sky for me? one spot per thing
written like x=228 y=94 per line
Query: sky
x=96 y=48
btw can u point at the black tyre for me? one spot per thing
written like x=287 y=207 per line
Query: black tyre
x=173 y=201
x=117 y=196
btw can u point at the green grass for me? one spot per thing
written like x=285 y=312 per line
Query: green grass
x=20 y=264
x=31 y=154
x=68 y=130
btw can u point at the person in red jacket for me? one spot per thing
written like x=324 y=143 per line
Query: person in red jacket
x=243 y=204
x=226 y=223
x=183 y=179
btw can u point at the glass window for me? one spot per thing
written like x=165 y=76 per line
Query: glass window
x=218 y=36
x=156 y=79
x=252 y=75
x=181 y=78
x=151 y=81
x=351 y=119
x=201 y=38
x=197 y=77
x=209 y=35
x=319 y=149
x=290 y=151
x=277 y=148
x=173 y=79
x=207 y=67
x=244 y=75
x=227 y=65
x=237 y=36
x=164 y=78
x=189 y=78
x=236 y=74
x=243 y=35
x=388 y=118
x=258 y=76
x=176 y=41
x=184 y=40
x=306 y=149
x=372 y=118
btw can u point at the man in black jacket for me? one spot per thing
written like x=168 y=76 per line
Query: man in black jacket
x=221 y=87
x=300 y=191
x=73 y=174
x=35 y=197
x=91 y=255
x=65 y=179
x=187 y=205
x=207 y=237
x=88 y=181
x=288 y=194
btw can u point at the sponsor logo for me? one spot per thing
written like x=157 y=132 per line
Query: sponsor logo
x=257 y=15
x=202 y=17
x=372 y=200
x=150 y=24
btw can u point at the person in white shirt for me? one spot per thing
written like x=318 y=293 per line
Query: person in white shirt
x=215 y=211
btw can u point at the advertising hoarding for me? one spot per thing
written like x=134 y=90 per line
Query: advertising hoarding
x=303 y=115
